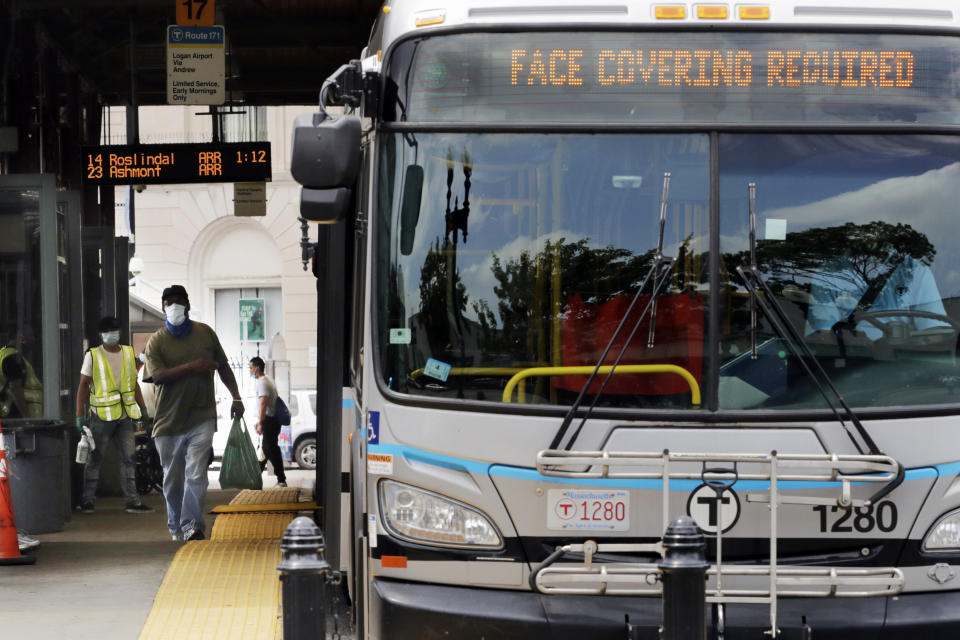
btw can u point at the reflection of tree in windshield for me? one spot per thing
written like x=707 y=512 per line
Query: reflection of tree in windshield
x=443 y=297
x=863 y=255
x=533 y=289
x=525 y=289
x=862 y=296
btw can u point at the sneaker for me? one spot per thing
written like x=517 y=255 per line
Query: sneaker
x=176 y=537
x=281 y=484
x=26 y=542
x=196 y=534
x=138 y=508
x=86 y=507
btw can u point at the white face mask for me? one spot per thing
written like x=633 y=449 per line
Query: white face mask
x=176 y=314
x=111 y=338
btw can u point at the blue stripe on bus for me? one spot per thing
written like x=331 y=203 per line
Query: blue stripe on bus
x=523 y=473
x=348 y=403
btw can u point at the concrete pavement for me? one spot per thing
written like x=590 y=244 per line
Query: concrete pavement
x=96 y=579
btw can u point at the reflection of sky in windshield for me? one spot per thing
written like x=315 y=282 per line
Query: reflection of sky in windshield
x=927 y=202
x=817 y=181
x=478 y=275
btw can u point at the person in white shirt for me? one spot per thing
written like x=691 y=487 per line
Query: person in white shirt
x=108 y=383
x=267 y=424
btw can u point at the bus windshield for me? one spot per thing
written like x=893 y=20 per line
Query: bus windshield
x=525 y=250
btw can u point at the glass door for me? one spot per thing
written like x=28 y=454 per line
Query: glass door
x=30 y=285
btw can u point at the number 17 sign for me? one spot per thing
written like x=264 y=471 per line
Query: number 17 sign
x=195 y=13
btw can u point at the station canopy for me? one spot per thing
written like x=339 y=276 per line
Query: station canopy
x=277 y=51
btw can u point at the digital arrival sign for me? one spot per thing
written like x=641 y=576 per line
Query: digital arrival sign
x=177 y=163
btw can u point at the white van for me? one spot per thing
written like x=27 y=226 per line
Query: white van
x=303 y=428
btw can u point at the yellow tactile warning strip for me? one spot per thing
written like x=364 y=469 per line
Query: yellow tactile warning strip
x=275 y=495
x=249 y=526
x=228 y=587
x=219 y=590
x=254 y=508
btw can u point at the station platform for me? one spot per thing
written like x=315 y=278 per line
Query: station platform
x=118 y=576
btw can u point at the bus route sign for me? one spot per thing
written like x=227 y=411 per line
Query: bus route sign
x=196 y=65
x=177 y=163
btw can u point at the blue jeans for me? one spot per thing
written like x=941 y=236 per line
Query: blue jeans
x=120 y=432
x=184 y=458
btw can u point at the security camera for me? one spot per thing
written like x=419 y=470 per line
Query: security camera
x=140 y=188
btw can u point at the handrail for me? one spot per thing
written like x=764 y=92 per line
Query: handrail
x=586 y=370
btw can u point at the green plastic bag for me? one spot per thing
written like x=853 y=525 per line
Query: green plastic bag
x=240 y=468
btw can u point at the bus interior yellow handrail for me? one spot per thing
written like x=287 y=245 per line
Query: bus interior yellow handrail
x=587 y=370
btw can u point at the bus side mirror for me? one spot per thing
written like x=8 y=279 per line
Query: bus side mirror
x=325 y=206
x=410 y=207
x=326 y=151
x=326 y=161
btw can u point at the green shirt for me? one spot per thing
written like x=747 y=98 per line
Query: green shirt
x=184 y=403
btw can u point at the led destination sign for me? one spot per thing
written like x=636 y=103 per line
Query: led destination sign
x=713 y=68
x=661 y=76
x=177 y=163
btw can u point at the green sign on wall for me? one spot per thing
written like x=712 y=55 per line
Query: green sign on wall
x=253 y=320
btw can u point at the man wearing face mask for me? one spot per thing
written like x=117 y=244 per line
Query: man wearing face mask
x=108 y=383
x=181 y=359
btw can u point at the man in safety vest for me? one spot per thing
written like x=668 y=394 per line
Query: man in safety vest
x=108 y=383
x=21 y=392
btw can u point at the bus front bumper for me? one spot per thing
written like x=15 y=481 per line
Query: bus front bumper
x=416 y=611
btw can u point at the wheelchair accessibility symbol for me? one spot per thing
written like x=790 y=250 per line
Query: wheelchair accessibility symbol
x=373 y=427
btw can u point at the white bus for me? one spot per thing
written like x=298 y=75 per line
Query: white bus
x=611 y=263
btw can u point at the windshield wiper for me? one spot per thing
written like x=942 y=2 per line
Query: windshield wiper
x=656 y=286
x=659 y=272
x=774 y=312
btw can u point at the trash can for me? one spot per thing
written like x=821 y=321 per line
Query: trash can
x=37 y=455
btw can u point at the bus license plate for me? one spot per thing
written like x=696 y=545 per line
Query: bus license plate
x=588 y=510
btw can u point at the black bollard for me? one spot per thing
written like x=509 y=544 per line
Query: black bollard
x=684 y=568
x=303 y=576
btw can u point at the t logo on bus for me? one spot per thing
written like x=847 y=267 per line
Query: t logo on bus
x=711 y=511
x=712 y=503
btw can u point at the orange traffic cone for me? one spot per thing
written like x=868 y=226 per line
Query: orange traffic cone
x=9 y=548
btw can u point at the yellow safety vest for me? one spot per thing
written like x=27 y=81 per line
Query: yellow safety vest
x=32 y=389
x=108 y=400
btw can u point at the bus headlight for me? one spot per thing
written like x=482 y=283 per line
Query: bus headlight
x=945 y=534
x=427 y=517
